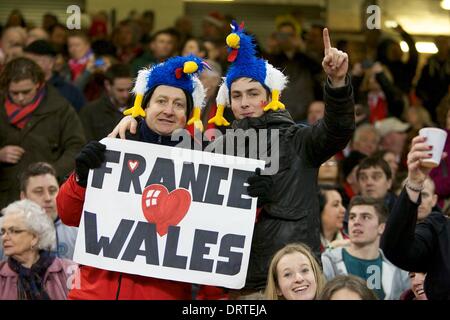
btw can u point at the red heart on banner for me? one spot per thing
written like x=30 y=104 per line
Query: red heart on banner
x=163 y=208
x=132 y=165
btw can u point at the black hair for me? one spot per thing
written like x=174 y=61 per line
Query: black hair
x=118 y=70
x=18 y=69
x=323 y=188
x=33 y=170
x=379 y=206
x=372 y=162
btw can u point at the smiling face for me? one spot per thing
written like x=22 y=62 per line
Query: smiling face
x=166 y=110
x=417 y=279
x=248 y=98
x=296 y=280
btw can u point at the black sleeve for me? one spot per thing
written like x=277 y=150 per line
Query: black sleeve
x=423 y=84
x=393 y=95
x=411 y=64
x=334 y=131
x=356 y=83
x=405 y=244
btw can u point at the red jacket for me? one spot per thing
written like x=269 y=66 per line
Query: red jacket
x=103 y=284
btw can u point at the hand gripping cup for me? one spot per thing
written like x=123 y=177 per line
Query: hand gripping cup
x=435 y=137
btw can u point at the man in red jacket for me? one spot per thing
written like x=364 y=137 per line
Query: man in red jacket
x=168 y=100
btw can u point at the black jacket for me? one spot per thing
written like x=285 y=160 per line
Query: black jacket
x=68 y=91
x=99 y=118
x=53 y=134
x=424 y=247
x=294 y=216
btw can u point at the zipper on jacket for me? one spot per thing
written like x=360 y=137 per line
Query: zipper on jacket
x=118 y=288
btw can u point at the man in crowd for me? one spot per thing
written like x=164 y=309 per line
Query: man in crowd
x=366 y=139
x=393 y=134
x=100 y=116
x=363 y=258
x=375 y=180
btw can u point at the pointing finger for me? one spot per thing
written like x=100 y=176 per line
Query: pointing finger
x=326 y=41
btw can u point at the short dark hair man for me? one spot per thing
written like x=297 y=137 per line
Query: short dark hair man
x=100 y=116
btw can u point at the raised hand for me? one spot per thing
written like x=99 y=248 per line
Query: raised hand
x=335 y=62
x=420 y=150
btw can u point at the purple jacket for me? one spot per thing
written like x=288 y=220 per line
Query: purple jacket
x=440 y=175
x=55 y=279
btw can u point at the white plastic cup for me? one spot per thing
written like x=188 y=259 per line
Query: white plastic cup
x=435 y=137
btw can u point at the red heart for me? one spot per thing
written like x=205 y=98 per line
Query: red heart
x=163 y=208
x=132 y=165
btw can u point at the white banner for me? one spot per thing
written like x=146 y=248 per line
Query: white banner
x=169 y=213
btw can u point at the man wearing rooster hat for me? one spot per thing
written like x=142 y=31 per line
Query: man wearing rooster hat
x=169 y=92
x=289 y=205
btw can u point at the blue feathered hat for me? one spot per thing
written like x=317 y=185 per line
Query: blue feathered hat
x=178 y=72
x=242 y=55
x=241 y=52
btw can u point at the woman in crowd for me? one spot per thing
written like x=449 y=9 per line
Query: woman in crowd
x=294 y=274
x=332 y=214
x=416 y=292
x=31 y=272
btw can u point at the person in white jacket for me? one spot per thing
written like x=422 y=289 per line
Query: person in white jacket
x=364 y=258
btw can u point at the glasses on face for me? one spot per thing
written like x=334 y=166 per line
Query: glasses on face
x=11 y=231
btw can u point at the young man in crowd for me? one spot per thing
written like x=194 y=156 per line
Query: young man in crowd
x=363 y=258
